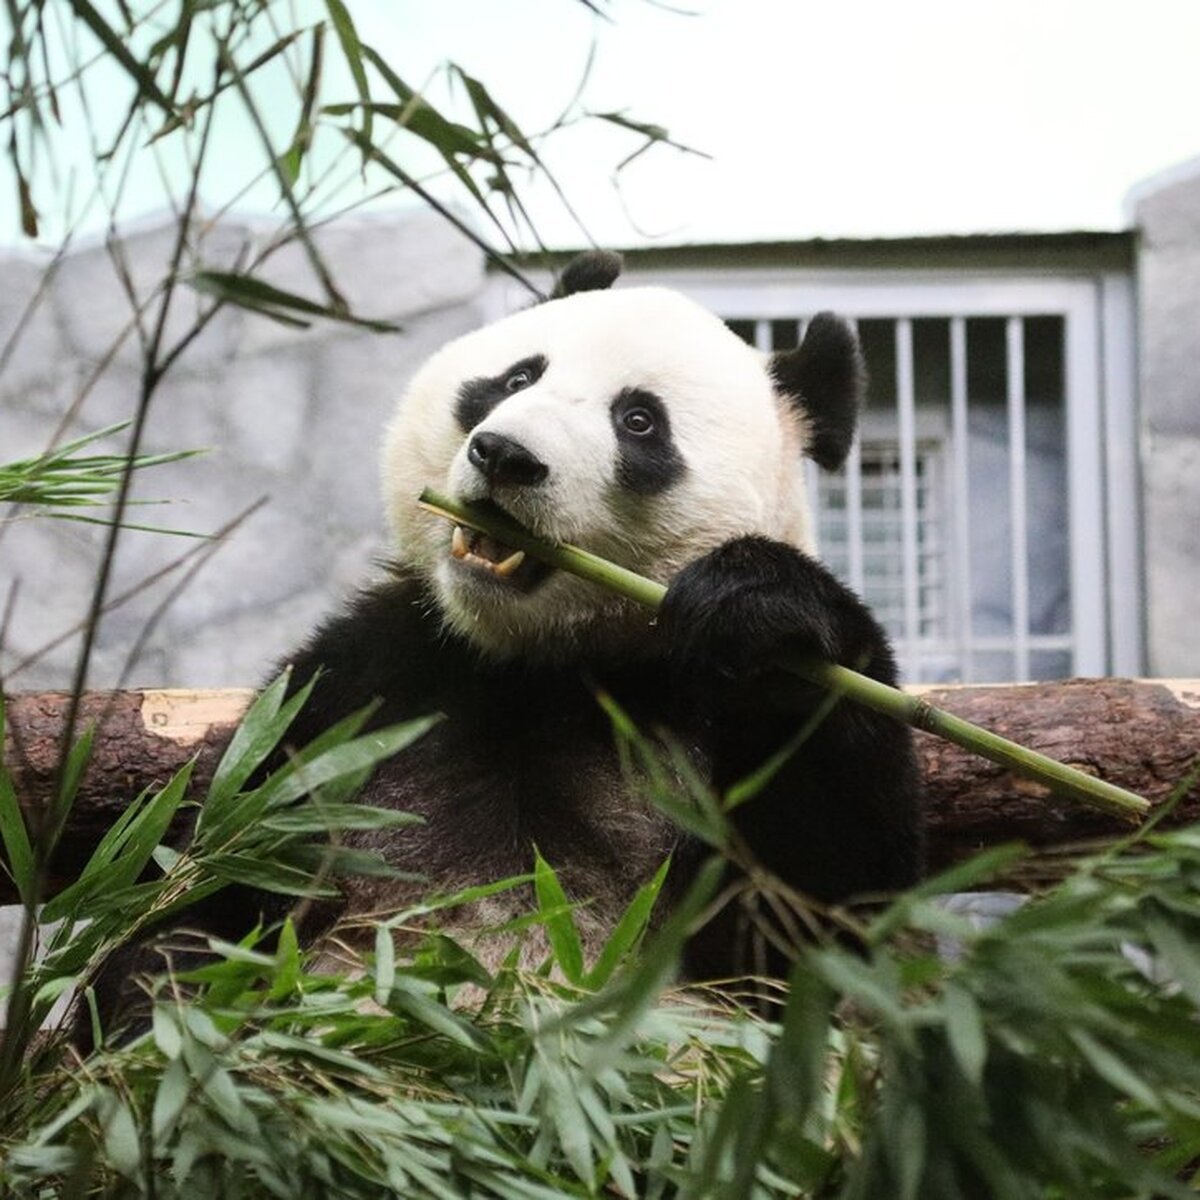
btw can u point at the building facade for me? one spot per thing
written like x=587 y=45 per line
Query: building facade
x=1023 y=502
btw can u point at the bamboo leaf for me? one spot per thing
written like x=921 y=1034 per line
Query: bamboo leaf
x=1178 y=951
x=29 y=213
x=628 y=996
x=1112 y=1069
x=345 y=860
x=408 y=997
x=364 y=752
x=293 y=157
x=257 y=734
x=471 y=895
x=151 y=824
x=167 y=1036
x=419 y=118
x=319 y=818
x=385 y=963
x=270 y=876
x=353 y=51
x=77 y=761
x=653 y=134
x=52 y=989
x=18 y=851
x=114 y=44
x=121 y=1145
x=170 y=1100
x=288 y=962
x=257 y=295
x=116 y=836
x=628 y=930
x=102 y=884
x=965 y=1032
x=799 y=1061
x=559 y=917
x=237 y=812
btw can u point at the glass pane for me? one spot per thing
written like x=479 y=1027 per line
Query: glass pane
x=987 y=467
x=1046 y=478
x=992 y=666
x=1050 y=664
x=878 y=339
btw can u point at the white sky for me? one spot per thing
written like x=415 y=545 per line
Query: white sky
x=845 y=118
x=869 y=117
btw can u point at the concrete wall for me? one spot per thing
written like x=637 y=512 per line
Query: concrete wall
x=1168 y=218
x=291 y=415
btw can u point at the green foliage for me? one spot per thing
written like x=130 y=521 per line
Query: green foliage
x=1053 y=1054
x=62 y=480
x=258 y=835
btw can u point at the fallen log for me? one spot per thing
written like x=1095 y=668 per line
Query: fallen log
x=1143 y=735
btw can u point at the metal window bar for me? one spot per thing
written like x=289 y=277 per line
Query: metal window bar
x=906 y=420
x=961 y=509
x=1017 y=492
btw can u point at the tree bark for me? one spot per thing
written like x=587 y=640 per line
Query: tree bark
x=1143 y=735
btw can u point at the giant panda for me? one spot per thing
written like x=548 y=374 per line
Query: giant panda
x=632 y=422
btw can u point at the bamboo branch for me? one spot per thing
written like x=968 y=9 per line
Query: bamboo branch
x=1062 y=780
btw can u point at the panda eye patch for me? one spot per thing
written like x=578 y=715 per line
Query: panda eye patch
x=638 y=421
x=477 y=397
x=648 y=461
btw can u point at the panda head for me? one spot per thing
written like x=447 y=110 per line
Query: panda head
x=631 y=422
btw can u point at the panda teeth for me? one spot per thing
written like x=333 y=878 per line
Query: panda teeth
x=461 y=548
x=510 y=564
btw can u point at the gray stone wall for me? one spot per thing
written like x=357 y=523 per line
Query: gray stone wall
x=292 y=416
x=1168 y=218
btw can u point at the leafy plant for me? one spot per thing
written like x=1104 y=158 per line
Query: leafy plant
x=62 y=480
x=257 y=835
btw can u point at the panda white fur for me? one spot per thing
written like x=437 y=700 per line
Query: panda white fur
x=633 y=423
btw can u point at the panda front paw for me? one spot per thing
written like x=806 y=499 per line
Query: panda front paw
x=735 y=611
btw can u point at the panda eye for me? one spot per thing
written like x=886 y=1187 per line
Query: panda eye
x=518 y=380
x=638 y=421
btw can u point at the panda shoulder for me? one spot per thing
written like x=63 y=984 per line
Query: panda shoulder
x=381 y=644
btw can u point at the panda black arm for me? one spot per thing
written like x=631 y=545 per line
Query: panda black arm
x=842 y=814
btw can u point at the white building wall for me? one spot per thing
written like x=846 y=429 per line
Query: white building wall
x=287 y=414
x=1168 y=219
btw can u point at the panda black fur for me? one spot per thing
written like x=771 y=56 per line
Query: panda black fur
x=635 y=424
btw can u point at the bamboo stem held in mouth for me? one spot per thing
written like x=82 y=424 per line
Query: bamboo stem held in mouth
x=1062 y=780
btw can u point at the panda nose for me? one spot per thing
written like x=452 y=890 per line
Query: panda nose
x=502 y=460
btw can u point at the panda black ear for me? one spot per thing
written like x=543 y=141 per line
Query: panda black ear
x=825 y=380
x=592 y=271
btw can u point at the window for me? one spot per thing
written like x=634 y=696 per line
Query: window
x=880 y=514
x=971 y=515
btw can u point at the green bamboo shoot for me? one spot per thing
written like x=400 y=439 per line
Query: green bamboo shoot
x=1060 y=779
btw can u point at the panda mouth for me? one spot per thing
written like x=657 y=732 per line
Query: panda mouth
x=492 y=558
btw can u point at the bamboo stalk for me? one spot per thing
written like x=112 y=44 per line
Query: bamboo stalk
x=1062 y=780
